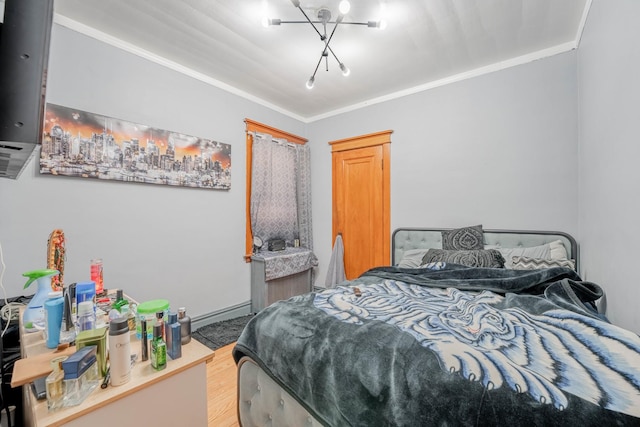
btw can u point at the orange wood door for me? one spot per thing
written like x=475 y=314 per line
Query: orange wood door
x=361 y=206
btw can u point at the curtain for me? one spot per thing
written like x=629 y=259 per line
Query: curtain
x=274 y=198
x=281 y=192
x=303 y=192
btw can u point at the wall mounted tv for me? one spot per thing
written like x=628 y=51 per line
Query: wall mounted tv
x=24 y=54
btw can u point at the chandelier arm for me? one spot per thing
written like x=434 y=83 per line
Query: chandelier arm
x=317 y=65
x=310 y=21
x=327 y=47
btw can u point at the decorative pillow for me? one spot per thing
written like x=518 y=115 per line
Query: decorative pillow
x=463 y=239
x=526 y=263
x=542 y=251
x=490 y=258
x=552 y=250
x=558 y=251
x=412 y=258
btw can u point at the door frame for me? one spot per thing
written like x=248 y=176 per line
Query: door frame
x=382 y=138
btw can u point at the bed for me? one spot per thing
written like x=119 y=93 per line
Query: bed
x=444 y=343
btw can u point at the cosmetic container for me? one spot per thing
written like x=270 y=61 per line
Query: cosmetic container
x=54 y=384
x=158 y=349
x=85 y=291
x=185 y=325
x=53 y=310
x=148 y=310
x=80 y=376
x=173 y=334
x=119 y=352
x=97 y=338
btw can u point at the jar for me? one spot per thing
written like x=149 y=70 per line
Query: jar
x=147 y=310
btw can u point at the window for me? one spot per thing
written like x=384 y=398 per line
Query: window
x=253 y=126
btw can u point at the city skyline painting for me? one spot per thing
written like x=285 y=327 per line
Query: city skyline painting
x=89 y=145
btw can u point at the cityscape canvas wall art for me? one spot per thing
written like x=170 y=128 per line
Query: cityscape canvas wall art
x=88 y=145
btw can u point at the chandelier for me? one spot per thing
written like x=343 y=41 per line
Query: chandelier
x=320 y=27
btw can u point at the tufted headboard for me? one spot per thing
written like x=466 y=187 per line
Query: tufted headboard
x=404 y=239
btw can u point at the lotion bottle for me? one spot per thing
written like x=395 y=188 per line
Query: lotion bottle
x=119 y=351
x=158 y=349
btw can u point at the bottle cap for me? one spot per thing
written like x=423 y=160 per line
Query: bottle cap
x=55 y=294
x=119 y=295
x=85 y=307
x=173 y=318
x=118 y=326
x=182 y=312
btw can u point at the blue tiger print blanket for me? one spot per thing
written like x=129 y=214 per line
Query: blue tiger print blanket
x=451 y=345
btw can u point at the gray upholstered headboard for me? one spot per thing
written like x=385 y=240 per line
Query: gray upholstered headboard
x=404 y=239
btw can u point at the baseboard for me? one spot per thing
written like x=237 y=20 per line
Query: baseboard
x=232 y=312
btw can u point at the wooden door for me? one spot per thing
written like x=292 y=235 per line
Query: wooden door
x=361 y=200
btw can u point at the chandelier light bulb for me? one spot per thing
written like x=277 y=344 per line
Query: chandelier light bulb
x=310 y=82
x=344 y=7
x=345 y=70
x=265 y=21
x=383 y=24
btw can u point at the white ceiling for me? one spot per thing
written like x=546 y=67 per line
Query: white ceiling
x=426 y=43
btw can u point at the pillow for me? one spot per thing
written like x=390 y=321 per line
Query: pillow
x=558 y=251
x=463 y=239
x=412 y=258
x=553 y=250
x=542 y=251
x=475 y=258
x=526 y=263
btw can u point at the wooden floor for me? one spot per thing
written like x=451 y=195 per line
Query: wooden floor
x=222 y=389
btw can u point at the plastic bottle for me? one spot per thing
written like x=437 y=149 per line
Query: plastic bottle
x=119 y=351
x=185 y=325
x=158 y=349
x=86 y=316
x=53 y=308
x=34 y=312
x=120 y=304
x=174 y=336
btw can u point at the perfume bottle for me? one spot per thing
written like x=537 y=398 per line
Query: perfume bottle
x=185 y=325
x=174 y=336
x=54 y=384
x=158 y=349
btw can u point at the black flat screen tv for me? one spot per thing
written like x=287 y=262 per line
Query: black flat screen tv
x=24 y=56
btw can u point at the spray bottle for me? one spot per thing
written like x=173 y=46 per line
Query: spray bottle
x=34 y=313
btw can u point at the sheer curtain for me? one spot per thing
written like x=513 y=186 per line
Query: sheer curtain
x=281 y=190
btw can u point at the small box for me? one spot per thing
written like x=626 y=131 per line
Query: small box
x=98 y=338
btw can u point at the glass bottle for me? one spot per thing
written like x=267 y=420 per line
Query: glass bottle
x=185 y=325
x=97 y=275
x=54 y=384
x=158 y=349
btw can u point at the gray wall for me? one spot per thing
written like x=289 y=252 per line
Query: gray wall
x=498 y=150
x=608 y=70
x=186 y=245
